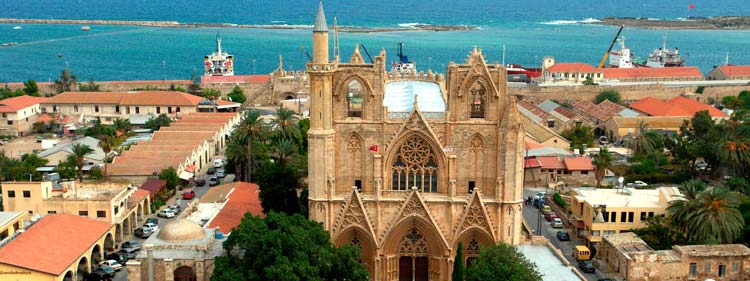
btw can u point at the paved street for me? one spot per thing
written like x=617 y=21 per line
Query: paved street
x=533 y=215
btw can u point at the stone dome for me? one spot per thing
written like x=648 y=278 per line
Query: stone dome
x=180 y=230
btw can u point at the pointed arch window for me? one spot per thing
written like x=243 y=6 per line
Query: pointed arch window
x=355 y=98
x=415 y=164
x=478 y=100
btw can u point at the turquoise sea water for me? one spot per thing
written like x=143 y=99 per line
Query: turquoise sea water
x=528 y=29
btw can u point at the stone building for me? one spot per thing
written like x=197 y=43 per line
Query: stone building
x=408 y=166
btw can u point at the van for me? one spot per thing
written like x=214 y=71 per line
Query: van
x=581 y=253
x=218 y=163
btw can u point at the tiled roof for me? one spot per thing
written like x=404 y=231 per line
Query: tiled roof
x=54 y=243
x=537 y=131
x=578 y=164
x=153 y=185
x=735 y=70
x=534 y=109
x=244 y=198
x=140 y=193
x=575 y=67
x=254 y=79
x=652 y=122
x=566 y=112
x=677 y=106
x=611 y=108
x=18 y=103
x=158 y=98
x=693 y=106
x=86 y=98
x=551 y=162
x=592 y=110
x=531 y=163
x=654 y=72
x=45 y=118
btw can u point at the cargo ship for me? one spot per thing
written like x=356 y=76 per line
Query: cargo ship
x=403 y=65
x=664 y=57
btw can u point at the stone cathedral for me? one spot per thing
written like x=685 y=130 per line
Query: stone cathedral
x=406 y=166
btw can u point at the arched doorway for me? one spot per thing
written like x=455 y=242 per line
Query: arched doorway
x=68 y=276
x=184 y=273
x=126 y=226
x=358 y=237
x=109 y=243
x=118 y=232
x=96 y=254
x=472 y=239
x=83 y=268
x=413 y=263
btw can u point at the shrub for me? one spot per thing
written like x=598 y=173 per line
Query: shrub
x=700 y=89
x=558 y=199
x=609 y=94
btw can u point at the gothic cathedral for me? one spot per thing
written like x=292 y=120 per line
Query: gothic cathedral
x=407 y=165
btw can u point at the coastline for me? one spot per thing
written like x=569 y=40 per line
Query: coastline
x=175 y=24
x=717 y=23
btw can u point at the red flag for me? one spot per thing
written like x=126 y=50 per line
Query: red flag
x=691 y=6
x=373 y=148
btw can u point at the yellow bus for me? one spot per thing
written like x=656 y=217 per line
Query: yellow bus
x=582 y=253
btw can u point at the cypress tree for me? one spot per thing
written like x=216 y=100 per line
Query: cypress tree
x=458 y=264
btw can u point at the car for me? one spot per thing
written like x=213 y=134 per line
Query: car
x=563 y=235
x=175 y=208
x=541 y=195
x=701 y=165
x=220 y=173
x=200 y=181
x=211 y=170
x=119 y=258
x=556 y=223
x=549 y=216
x=151 y=226
x=152 y=220
x=166 y=213
x=218 y=163
x=111 y=263
x=586 y=266
x=132 y=244
x=97 y=275
x=187 y=195
x=213 y=181
x=108 y=269
x=603 y=140
x=130 y=253
x=539 y=202
x=143 y=233
x=637 y=184
x=546 y=209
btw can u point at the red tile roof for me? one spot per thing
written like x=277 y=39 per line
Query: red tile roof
x=578 y=164
x=158 y=98
x=591 y=109
x=677 y=106
x=566 y=112
x=693 y=106
x=655 y=72
x=153 y=186
x=735 y=70
x=551 y=162
x=531 y=163
x=45 y=118
x=54 y=243
x=235 y=79
x=531 y=144
x=534 y=109
x=18 y=103
x=244 y=198
x=140 y=193
x=575 y=67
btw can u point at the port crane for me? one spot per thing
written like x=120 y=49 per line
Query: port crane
x=366 y=52
x=604 y=59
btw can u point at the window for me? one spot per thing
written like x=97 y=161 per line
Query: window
x=137 y=110
x=355 y=97
x=83 y=213
x=54 y=108
x=31 y=212
x=75 y=107
x=693 y=270
x=623 y=216
x=10 y=122
x=609 y=232
x=605 y=215
x=650 y=214
x=630 y=216
x=735 y=266
x=117 y=209
x=595 y=233
x=707 y=267
x=101 y=214
x=127 y=110
x=51 y=212
x=117 y=108
x=415 y=165
x=722 y=270
x=478 y=95
x=614 y=217
x=158 y=110
x=643 y=216
x=11 y=193
x=358 y=184
x=584 y=172
x=96 y=108
x=550 y=123
x=169 y=109
x=472 y=184
x=27 y=194
x=178 y=109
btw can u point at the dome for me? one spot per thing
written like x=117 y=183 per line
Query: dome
x=181 y=230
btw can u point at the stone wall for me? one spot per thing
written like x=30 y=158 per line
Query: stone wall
x=629 y=93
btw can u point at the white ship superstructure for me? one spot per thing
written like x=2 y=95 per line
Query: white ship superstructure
x=219 y=63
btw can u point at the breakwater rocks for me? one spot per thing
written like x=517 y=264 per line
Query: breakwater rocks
x=717 y=23
x=174 y=24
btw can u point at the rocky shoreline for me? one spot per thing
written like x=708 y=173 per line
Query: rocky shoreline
x=717 y=23
x=174 y=24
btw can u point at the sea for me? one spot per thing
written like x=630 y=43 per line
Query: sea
x=527 y=31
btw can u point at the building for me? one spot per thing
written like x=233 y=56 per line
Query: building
x=59 y=247
x=598 y=114
x=601 y=212
x=627 y=256
x=18 y=114
x=549 y=170
x=156 y=188
x=653 y=74
x=550 y=119
x=60 y=152
x=406 y=166
x=677 y=106
x=618 y=127
x=108 y=106
x=571 y=73
x=543 y=135
x=730 y=72
x=10 y=223
x=123 y=206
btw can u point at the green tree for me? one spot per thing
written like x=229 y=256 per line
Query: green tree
x=79 y=152
x=252 y=126
x=65 y=82
x=458 y=264
x=744 y=97
x=283 y=151
x=211 y=94
x=236 y=152
x=286 y=123
x=609 y=94
x=237 y=95
x=731 y=102
x=659 y=234
x=107 y=143
x=99 y=130
x=707 y=215
x=589 y=81
x=67 y=169
x=156 y=123
x=579 y=136
x=39 y=127
x=502 y=260
x=641 y=143
x=603 y=161
x=122 y=125
x=89 y=87
x=278 y=190
x=170 y=175
x=700 y=89
x=285 y=248
x=30 y=88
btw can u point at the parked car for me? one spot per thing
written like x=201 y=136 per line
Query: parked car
x=130 y=253
x=200 y=181
x=142 y=233
x=586 y=266
x=556 y=223
x=97 y=275
x=187 y=195
x=108 y=269
x=213 y=181
x=541 y=195
x=132 y=244
x=175 y=208
x=211 y=170
x=637 y=184
x=118 y=257
x=152 y=220
x=546 y=209
x=603 y=140
x=111 y=263
x=150 y=226
x=218 y=163
x=563 y=235
x=166 y=213
x=538 y=202
x=220 y=173
x=550 y=216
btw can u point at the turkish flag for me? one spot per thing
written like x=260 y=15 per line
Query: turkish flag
x=373 y=148
x=691 y=6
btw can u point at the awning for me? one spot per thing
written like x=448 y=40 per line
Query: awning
x=45 y=169
x=190 y=168
x=186 y=175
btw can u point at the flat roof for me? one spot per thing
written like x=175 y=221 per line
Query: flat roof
x=6 y=217
x=53 y=243
x=551 y=268
x=635 y=198
x=400 y=95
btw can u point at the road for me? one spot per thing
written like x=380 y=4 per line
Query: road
x=532 y=217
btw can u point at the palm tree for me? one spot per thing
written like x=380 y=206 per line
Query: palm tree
x=79 y=152
x=107 y=143
x=283 y=151
x=682 y=208
x=122 y=125
x=252 y=126
x=286 y=124
x=641 y=143
x=603 y=161
x=717 y=219
x=237 y=153
x=66 y=82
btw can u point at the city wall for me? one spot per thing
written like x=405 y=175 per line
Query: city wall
x=629 y=93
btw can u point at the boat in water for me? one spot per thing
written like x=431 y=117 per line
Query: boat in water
x=85 y=28
x=621 y=58
x=17 y=27
x=9 y=44
x=664 y=57
x=403 y=65
x=218 y=63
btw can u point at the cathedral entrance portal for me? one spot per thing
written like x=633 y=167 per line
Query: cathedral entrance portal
x=413 y=264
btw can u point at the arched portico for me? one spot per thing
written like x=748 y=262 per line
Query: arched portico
x=184 y=273
x=472 y=239
x=97 y=254
x=357 y=236
x=414 y=250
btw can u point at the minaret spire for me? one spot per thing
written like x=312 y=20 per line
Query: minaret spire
x=320 y=19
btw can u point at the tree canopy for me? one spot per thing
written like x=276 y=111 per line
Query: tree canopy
x=285 y=248
x=237 y=95
x=579 y=136
x=211 y=93
x=170 y=175
x=502 y=260
x=609 y=94
x=156 y=123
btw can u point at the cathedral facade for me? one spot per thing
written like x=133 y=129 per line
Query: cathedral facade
x=408 y=165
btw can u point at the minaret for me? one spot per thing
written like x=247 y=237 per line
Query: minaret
x=321 y=136
x=510 y=184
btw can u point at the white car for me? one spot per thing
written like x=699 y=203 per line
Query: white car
x=112 y=263
x=541 y=195
x=218 y=163
x=166 y=213
x=556 y=223
x=151 y=227
x=638 y=184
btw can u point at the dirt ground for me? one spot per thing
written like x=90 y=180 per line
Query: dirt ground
x=20 y=146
